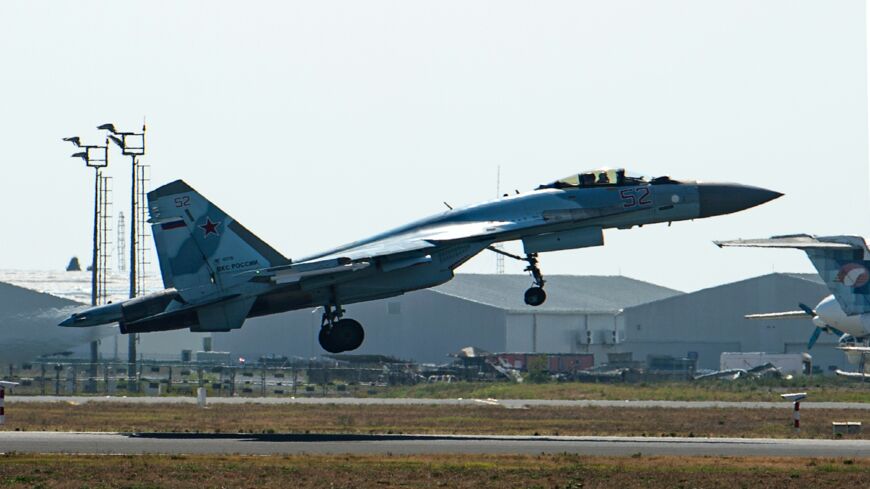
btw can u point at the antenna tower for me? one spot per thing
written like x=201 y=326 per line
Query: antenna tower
x=121 y=243
x=142 y=241
x=499 y=258
x=104 y=216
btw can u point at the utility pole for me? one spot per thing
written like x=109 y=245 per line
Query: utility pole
x=132 y=144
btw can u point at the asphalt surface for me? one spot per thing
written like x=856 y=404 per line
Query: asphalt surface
x=188 y=443
x=508 y=403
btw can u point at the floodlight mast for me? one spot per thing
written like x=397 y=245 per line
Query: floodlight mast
x=132 y=149
x=96 y=157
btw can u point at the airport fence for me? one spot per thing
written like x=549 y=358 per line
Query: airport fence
x=182 y=379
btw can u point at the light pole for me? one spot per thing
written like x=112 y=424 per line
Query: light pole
x=96 y=157
x=132 y=144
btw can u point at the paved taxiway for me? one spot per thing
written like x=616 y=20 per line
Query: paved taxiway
x=507 y=403
x=189 y=443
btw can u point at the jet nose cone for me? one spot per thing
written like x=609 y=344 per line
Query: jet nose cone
x=70 y=321
x=724 y=198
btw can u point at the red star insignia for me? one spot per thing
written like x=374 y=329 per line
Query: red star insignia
x=210 y=227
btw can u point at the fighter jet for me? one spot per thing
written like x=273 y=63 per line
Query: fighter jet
x=842 y=263
x=217 y=273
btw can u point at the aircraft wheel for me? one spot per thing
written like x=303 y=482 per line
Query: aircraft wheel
x=535 y=296
x=350 y=332
x=328 y=340
x=344 y=335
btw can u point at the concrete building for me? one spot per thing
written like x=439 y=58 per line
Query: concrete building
x=583 y=314
x=599 y=315
x=35 y=301
x=710 y=321
x=486 y=311
x=28 y=325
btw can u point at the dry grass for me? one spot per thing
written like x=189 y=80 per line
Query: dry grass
x=332 y=418
x=820 y=388
x=455 y=471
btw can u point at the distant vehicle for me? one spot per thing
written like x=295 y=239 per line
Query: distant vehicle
x=843 y=263
x=217 y=273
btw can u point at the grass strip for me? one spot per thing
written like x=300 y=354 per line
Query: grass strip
x=429 y=419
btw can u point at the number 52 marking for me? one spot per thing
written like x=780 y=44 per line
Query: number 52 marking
x=633 y=197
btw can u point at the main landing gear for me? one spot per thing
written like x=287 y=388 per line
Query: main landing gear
x=338 y=335
x=535 y=295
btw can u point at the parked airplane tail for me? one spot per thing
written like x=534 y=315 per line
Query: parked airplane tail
x=843 y=263
x=199 y=245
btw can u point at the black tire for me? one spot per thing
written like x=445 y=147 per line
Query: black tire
x=345 y=335
x=328 y=341
x=535 y=296
x=351 y=334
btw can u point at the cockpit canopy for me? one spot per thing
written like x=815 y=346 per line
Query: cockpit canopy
x=605 y=177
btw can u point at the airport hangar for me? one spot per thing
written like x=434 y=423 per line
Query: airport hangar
x=28 y=325
x=583 y=314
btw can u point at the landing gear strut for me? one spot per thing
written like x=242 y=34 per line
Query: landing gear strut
x=535 y=295
x=338 y=335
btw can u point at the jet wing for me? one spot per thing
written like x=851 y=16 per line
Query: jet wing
x=780 y=315
x=421 y=239
x=422 y=236
x=799 y=241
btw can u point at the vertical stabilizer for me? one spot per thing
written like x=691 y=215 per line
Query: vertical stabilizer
x=199 y=246
x=843 y=263
x=846 y=272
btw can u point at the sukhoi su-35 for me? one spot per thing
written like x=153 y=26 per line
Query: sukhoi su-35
x=216 y=273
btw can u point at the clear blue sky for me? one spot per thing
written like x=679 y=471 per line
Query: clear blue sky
x=318 y=123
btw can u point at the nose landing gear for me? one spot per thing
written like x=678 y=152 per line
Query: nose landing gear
x=535 y=295
x=337 y=334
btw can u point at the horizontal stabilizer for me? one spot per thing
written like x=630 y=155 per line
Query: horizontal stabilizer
x=223 y=316
x=780 y=315
x=858 y=349
x=852 y=375
x=798 y=241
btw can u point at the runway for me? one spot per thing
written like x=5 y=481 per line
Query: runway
x=507 y=403
x=189 y=443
